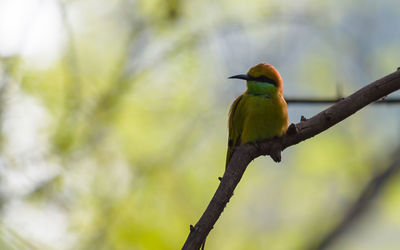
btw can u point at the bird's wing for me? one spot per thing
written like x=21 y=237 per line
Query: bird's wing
x=235 y=125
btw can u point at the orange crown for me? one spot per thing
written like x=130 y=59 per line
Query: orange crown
x=265 y=69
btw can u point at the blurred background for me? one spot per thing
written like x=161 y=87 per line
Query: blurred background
x=113 y=120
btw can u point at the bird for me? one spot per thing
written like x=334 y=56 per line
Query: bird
x=260 y=112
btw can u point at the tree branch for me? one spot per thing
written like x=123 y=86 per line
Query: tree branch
x=313 y=100
x=306 y=129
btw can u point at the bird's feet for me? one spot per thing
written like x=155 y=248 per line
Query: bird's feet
x=276 y=155
x=275 y=152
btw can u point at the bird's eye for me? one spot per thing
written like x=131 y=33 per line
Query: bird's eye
x=265 y=79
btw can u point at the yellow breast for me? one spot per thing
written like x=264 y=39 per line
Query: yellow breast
x=264 y=117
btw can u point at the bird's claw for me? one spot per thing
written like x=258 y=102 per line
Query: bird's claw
x=276 y=156
x=276 y=153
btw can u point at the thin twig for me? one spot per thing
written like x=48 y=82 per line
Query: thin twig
x=304 y=130
x=369 y=192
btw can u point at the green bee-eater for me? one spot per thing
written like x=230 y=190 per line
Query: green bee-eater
x=260 y=112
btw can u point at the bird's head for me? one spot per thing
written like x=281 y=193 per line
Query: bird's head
x=262 y=75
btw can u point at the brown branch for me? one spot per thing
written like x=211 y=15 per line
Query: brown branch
x=306 y=129
x=368 y=193
x=312 y=100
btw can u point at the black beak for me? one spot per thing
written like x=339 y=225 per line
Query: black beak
x=250 y=78
x=243 y=77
